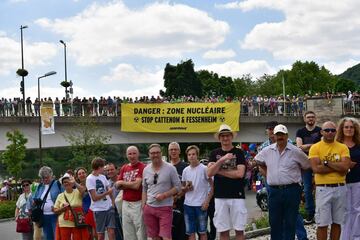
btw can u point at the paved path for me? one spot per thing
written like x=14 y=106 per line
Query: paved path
x=310 y=229
x=8 y=231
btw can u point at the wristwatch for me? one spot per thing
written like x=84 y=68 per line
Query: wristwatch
x=326 y=163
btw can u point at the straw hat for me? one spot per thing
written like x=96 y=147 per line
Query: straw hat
x=224 y=128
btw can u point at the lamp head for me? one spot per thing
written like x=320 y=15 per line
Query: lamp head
x=49 y=73
x=22 y=27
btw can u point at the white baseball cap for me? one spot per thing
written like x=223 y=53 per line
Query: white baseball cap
x=280 y=129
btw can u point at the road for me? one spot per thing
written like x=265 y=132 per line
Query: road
x=7 y=229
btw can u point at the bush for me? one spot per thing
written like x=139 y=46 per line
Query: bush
x=259 y=223
x=7 y=209
x=262 y=222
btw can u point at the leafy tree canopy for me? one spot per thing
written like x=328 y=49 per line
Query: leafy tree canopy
x=181 y=80
x=14 y=155
x=87 y=141
x=303 y=78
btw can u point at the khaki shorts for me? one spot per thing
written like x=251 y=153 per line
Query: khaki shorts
x=230 y=213
x=330 y=205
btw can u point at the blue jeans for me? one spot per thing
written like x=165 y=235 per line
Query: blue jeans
x=49 y=226
x=300 y=229
x=195 y=220
x=283 y=211
x=118 y=226
x=308 y=190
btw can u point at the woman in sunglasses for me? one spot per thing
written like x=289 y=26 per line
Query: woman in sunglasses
x=349 y=134
x=20 y=212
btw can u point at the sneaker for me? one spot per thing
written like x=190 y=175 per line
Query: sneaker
x=309 y=220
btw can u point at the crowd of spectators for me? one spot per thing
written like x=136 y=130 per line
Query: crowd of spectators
x=256 y=105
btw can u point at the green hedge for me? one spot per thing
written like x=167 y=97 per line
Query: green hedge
x=7 y=209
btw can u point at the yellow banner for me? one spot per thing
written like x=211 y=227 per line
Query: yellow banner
x=47 y=119
x=179 y=117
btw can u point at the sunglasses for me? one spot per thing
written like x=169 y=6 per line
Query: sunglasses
x=333 y=130
x=25 y=185
x=156 y=178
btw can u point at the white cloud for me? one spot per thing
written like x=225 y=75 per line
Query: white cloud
x=126 y=74
x=234 y=69
x=219 y=54
x=340 y=67
x=311 y=29
x=251 y=4
x=35 y=54
x=160 y=30
x=230 y=5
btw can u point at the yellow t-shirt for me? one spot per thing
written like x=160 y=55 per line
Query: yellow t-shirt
x=75 y=200
x=331 y=152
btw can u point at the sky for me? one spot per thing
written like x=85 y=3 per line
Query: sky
x=120 y=47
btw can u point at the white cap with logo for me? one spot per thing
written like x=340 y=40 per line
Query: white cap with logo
x=280 y=129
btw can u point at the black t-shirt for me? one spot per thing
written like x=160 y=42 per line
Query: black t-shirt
x=354 y=175
x=180 y=166
x=225 y=187
x=309 y=137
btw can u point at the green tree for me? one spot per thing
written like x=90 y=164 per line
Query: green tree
x=87 y=141
x=14 y=155
x=212 y=84
x=268 y=85
x=344 y=85
x=308 y=78
x=181 y=80
x=244 y=86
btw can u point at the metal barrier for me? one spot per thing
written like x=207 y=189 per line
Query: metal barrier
x=351 y=107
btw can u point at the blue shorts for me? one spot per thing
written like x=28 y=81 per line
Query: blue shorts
x=195 y=220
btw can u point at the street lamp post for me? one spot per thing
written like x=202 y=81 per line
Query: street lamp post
x=66 y=91
x=40 y=146
x=22 y=85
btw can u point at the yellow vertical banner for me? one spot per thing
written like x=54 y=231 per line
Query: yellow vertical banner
x=47 y=119
x=179 y=117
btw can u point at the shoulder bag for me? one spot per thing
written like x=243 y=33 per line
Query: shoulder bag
x=37 y=209
x=78 y=214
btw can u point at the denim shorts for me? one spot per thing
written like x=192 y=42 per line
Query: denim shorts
x=195 y=220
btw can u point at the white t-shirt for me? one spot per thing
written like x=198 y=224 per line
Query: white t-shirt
x=3 y=191
x=49 y=202
x=198 y=176
x=100 y=184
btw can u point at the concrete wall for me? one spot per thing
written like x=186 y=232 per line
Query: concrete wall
x=326 y=109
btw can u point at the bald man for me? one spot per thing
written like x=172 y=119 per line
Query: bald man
x=330 y=161
x=130 y=179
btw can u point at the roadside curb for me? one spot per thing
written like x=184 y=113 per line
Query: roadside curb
x=254 y=233
x=257 y=233
x=6 y=220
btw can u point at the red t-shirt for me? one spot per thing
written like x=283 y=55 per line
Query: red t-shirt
x=129 y=173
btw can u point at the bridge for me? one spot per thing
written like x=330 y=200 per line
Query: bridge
x=252 y=128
